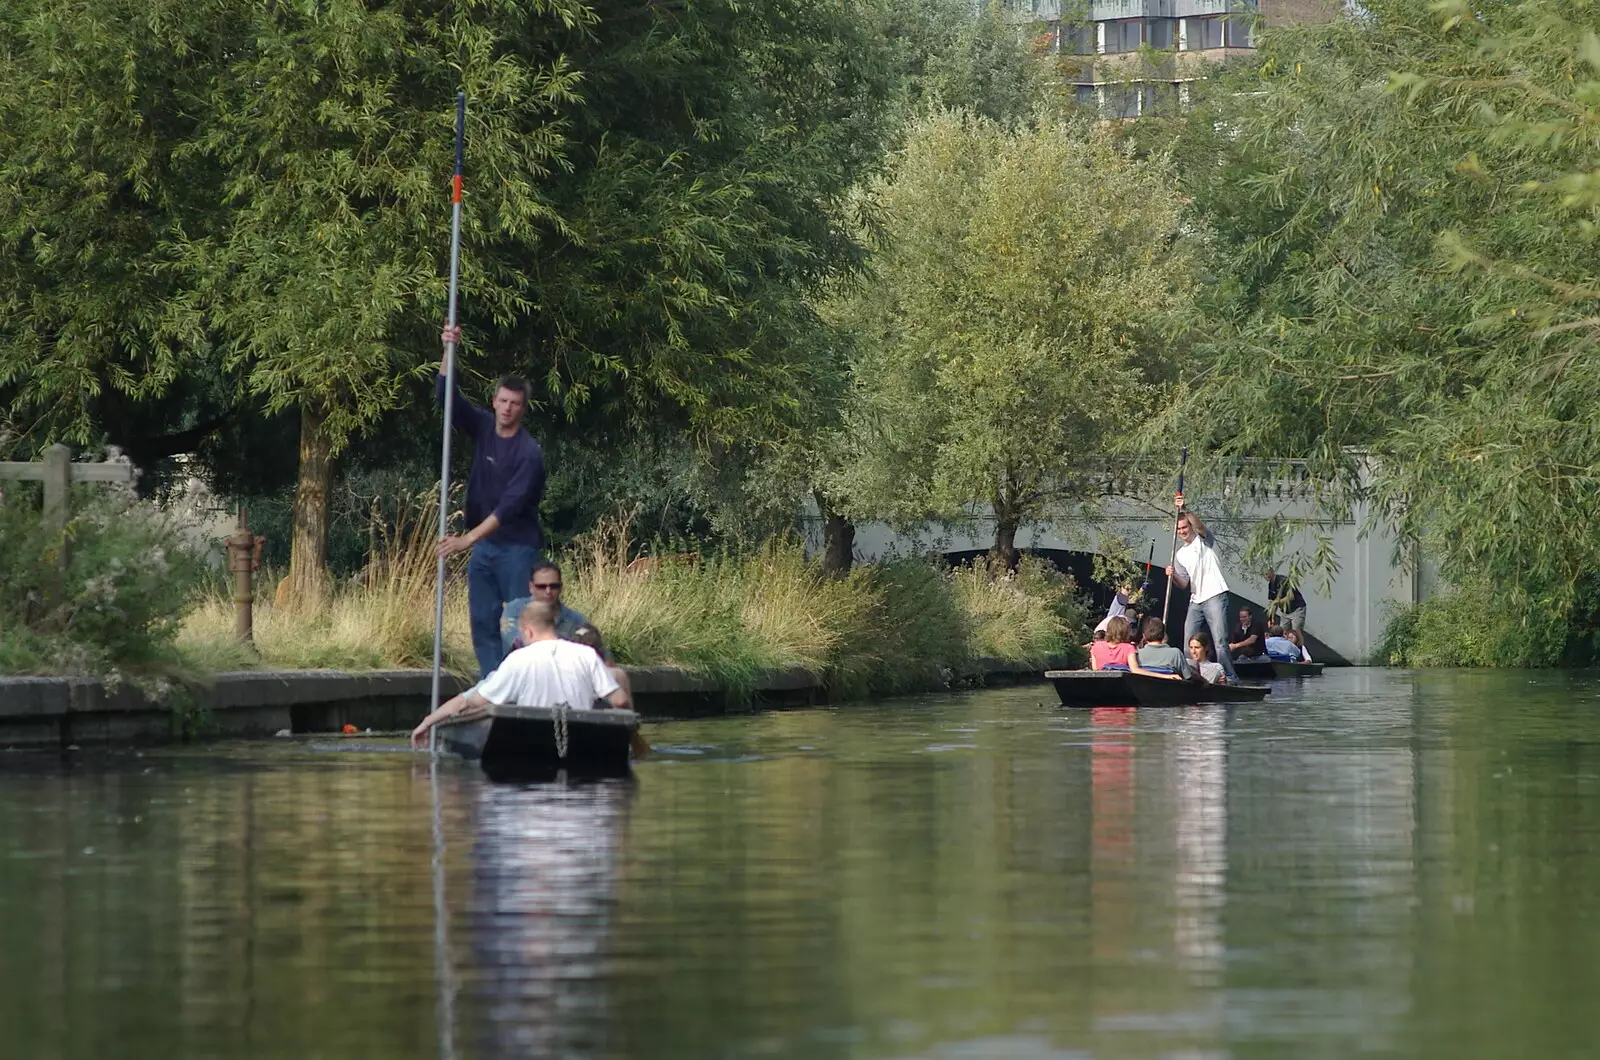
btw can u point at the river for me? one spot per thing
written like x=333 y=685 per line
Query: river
x=1375 y=863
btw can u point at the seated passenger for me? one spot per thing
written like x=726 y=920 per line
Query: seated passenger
x=544 y=586
x=1248 y=639
x=1203 y=659
x=1114 y=652
x=1281 y=648
x=1300 y=640
x=548 y=672
x=587 y=634
x=1157 y=657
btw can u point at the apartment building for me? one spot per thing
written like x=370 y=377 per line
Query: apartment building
x=1127 y=57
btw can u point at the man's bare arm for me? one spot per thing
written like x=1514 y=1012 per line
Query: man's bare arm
x=468 y=700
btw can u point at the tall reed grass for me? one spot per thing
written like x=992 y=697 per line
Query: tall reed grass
x=381 y=619
x=729 y=616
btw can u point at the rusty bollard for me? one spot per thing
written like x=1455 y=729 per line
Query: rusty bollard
x=244 y=556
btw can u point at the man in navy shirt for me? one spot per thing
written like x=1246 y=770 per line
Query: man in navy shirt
x=503 y=494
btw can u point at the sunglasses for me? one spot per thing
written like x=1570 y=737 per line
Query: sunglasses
x=545 y=585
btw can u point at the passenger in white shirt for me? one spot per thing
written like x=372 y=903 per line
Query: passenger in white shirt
x=547 y=672
x=1195 y=568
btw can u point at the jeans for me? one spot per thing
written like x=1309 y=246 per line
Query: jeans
x=1215 y=613
x=496 y=574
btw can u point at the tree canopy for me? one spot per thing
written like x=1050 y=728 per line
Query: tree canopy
x=1406 y=225
x=1010 y=335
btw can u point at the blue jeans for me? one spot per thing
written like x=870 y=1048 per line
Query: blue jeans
x=1215 y=613
x=496 y=574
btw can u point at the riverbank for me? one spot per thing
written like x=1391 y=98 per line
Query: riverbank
x=63 y=712
x=728 y=619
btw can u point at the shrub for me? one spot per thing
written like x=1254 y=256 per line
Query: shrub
x=1029 y=614
x=117 y=605
x=1475 y=625
x=912 y=631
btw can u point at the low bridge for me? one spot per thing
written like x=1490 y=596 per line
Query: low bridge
x=1346 y=612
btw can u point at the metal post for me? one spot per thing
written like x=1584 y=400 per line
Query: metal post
x=242 y=560
x=449 y=398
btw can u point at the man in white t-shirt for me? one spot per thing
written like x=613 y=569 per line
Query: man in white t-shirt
x=547 y=672
x=1195 y=568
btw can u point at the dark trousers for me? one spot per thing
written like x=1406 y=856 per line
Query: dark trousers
x=496 y=575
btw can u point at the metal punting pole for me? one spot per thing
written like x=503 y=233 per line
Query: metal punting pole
x=449 y=401
x=1177 y=505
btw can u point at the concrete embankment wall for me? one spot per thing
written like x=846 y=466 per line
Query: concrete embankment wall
x=42 y=712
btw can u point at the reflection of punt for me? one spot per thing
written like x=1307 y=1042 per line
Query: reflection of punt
x=515 y=741
x=1116 y=688
x=1269 y=668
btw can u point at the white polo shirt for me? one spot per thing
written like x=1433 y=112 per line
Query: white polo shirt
x=1199 y=562
x=547 y=673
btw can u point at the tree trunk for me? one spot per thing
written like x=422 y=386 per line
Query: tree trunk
x=1003 y=556
x=308 y=556
x=838 y=538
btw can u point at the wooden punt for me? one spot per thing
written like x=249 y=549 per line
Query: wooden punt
x=1117 y=688
x=515 y=741
x=1266 y=669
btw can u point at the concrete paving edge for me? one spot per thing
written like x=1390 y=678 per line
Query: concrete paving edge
x=43 y=712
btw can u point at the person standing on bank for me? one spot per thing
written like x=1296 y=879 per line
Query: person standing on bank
x=1195 y=568
x=503 y=494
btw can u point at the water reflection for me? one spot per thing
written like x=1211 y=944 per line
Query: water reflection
x=1376 y=863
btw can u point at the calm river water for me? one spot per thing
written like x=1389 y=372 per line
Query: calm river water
x=1375 y=863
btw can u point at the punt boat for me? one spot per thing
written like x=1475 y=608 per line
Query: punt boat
x=514 y=741
x=1120 y=688
x=1266 y=669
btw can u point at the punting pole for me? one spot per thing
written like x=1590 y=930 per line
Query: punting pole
x=449 y=404
x=1177 y=510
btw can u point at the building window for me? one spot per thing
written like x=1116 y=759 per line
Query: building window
x=1205 y=33
x=1123 y=36
x=1236 y=31
x=1163 y=34
x=1122 y=101
x=1077 y=38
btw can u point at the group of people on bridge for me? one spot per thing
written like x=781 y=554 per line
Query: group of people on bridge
x=1208 y=653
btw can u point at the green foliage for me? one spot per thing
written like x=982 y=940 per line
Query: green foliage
x=1406 y=246
x=1009 y=335
x=117 y=606
x=1475 y=625
x=1031 y=613
x=912 y=639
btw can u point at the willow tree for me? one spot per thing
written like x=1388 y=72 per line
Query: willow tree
x=332 y=127
x=261 y=189
x=1010 y=335
x=1404 y=204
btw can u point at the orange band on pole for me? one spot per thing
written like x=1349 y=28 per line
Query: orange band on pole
x=455 y=188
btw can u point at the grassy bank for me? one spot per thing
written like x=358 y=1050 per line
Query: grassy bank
x=881 y=629
x=1477 y=624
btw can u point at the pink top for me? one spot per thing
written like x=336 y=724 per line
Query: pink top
x=1104 y=653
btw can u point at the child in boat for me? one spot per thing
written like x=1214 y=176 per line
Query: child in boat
x=1300 y=640
x=1203 y=659
x=1114 y=652
x=1159 y=658
x=588 y=634
x=1281 y=648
